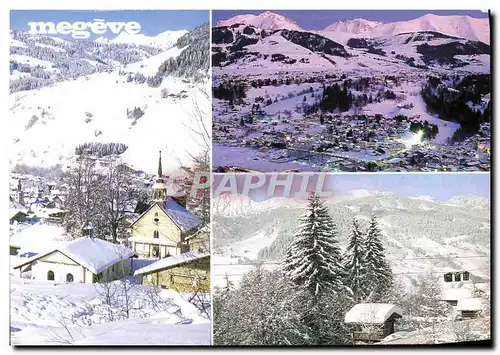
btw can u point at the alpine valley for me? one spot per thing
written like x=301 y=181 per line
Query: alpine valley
x=141 y=93
x=358 y=95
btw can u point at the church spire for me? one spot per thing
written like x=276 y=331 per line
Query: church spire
x=159 y=187
x=160 y=170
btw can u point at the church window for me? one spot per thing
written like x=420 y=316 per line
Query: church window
x=50 y=275
x=156 y=234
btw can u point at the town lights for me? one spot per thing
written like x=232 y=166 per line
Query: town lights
x=414 y=139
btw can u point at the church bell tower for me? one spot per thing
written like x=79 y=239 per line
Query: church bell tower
x=159 y=187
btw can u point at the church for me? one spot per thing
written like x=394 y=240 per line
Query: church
x=166 y=227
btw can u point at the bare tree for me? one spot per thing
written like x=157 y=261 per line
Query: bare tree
x=119 y=197
x=198 y=119
x=107 y=290
x=83 y=202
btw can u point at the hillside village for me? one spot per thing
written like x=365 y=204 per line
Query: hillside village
x=160 y=245
x=286 y=98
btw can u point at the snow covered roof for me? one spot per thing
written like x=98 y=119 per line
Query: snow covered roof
x=455 y=294
x=184 y=219
x=470 y=304
x=372 y=313
x=94 y=254
x=13 y=212
x=171 y=261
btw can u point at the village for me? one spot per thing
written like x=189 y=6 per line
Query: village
x=355 y=122
x=160 y=247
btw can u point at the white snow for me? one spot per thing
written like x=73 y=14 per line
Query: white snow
x=171 y=261
x=39 y=238
x=31 y=61
x=94 y=254
x=184 y=219
x=163 y=40
x=476 y=29
x=164 y=126
x=371 y=313
x=455 y=294
x=266 y=20
x=149 y=66
x=40 y=308
x=470 y=304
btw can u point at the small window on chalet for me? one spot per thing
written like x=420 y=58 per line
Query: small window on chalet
x=156 y=234
x=458 y=276
x=50 y=275
x=466 y=276
x=156 y=214
x=448 y=277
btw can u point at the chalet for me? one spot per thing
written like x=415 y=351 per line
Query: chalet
x=164 y=228
x=371 y=322
x=84 y=260
x=187 y=272
x=17 y=216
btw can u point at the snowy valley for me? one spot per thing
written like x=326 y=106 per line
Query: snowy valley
x=109 y=93
x=355 y=96
x=422 y=235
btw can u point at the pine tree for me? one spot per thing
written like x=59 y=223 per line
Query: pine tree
x=354 y=263
x=313 y=260
x=378 y=278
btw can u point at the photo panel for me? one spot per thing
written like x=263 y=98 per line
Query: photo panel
x=351 y=91
x=110 y=115
x=351 y=259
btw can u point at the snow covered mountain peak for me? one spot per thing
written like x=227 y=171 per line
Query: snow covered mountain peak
x=355 y=26
x=477 y=29
x=164 y=40
x=462 y=26
x=469 y=199
x=266 y=20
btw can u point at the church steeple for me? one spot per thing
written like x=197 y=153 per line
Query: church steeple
x=159 y=187
x=160 y=170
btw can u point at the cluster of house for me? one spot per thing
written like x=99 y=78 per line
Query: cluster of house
x=31 y=198
x=169 y=248
x=372 y=322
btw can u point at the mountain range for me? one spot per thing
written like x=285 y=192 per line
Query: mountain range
x=476 y=29
x=269 y=43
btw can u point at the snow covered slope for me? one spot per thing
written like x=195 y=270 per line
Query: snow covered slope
x=355 y=26
x=266 y=20
x=46 y=125
x=131 y=101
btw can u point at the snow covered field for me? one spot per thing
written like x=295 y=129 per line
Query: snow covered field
x=46 y=313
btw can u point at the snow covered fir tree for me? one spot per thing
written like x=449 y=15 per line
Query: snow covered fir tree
x=331 y=289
